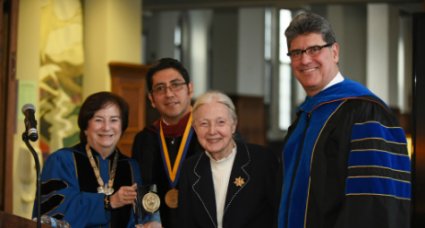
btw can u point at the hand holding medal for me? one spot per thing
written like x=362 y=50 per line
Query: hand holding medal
x=151 y=200
x=147 y=202
x=124 y=196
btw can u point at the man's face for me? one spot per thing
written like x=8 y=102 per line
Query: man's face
x=170 y=95
x=314 y=71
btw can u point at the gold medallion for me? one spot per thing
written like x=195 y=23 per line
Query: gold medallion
x=105 y=190
x=100 y=189
x=108 y=190
x=172 y=198
x=151 y=202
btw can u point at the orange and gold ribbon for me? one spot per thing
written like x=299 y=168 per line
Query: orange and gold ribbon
x=173 y=171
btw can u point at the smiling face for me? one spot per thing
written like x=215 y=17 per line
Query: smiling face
x=104 y=129
x=314 y=72
x=172 y=105
x=214 y=128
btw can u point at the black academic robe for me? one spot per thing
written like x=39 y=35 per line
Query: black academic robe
x=69 y=188
x=146 y=150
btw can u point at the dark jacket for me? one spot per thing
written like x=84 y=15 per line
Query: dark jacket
x=254 y=204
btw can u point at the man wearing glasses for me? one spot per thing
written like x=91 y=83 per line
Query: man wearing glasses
x=162 y=147
x=345 y=157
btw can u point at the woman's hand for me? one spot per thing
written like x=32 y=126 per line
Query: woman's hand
x=124 y=196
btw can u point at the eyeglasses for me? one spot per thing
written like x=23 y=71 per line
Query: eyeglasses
x=310 y=51
x=173 y=87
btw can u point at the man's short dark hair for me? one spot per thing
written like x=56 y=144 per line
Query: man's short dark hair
x=166 y=63
x=308 y=22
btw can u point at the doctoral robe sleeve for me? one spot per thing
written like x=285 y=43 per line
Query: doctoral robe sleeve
x=378 y=184
x=61 y=196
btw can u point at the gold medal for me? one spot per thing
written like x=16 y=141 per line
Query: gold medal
x=172 y=168
x=151 y=202
x=172 y=198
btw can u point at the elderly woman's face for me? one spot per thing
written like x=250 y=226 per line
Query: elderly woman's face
x=214 y=128
x=104 y=129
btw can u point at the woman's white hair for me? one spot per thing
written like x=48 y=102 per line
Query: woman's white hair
x=219 y=97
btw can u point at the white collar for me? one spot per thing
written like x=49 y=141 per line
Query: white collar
x=337 y=79
x=228 y=157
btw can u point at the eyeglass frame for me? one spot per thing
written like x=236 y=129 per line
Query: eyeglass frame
x=310 y=51
x=173 y=87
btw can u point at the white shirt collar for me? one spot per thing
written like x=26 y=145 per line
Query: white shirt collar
x=222 y=160
x=337 y=79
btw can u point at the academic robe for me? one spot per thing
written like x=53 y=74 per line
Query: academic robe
x=146 y=150
x=345 y=163
x=69 y=188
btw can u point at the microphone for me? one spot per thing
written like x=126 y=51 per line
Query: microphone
x=30 y=123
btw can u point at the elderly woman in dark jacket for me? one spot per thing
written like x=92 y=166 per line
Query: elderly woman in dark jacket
x=230 y=184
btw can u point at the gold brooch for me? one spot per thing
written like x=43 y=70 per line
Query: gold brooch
x=239 y=181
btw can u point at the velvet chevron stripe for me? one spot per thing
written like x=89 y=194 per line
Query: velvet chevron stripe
x=378 y=186
x=373 y=129
x=379 y=158
x=378 y=163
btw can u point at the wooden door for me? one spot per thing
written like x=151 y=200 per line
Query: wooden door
x=8 y=98
x=251 y=118
x=128 y=81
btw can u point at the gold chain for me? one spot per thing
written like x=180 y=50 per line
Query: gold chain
x=108 y=190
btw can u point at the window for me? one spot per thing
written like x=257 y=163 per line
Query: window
x=285 y=78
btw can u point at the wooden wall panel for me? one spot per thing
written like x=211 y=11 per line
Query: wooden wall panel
x=251 y=118
x=128 y=81
x=8 y=98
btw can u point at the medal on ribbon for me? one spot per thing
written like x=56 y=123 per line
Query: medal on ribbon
x=173 y=170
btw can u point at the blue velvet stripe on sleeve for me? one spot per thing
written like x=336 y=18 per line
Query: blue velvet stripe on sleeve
x=378 y=186
x=377 y=130
x=379 y=158
x=378 y=163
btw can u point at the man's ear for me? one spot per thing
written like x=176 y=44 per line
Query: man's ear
x=335 y=52
x=152 y=100
x=190 y=89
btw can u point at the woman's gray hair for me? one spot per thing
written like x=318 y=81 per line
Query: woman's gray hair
x=308 y=22
x=219 y=97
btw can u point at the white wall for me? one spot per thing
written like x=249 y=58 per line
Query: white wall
x=199 y=26
x=27 y=68
x=112 y=33
x=250 y=58
x=377 y=70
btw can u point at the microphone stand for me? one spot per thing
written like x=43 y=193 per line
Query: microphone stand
x=37 y=169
